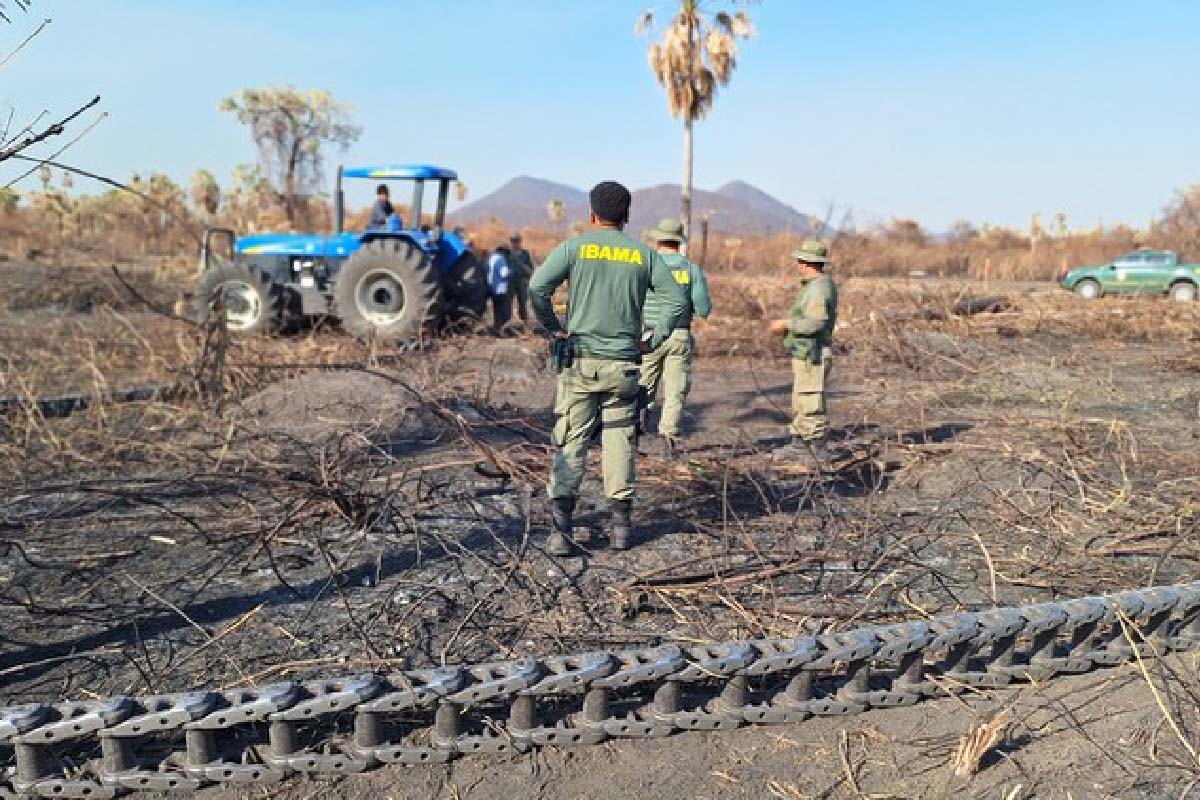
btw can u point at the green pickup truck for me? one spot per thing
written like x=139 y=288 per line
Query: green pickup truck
x=1147 y=271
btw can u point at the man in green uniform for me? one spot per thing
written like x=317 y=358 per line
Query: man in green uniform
x=808 y=336
x=671 y=364
x=521 y=264
x=608 y=276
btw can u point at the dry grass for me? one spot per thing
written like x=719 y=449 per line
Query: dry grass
x=54 y=225
x=982 y=738
x=877 y=316
x=1060 y=503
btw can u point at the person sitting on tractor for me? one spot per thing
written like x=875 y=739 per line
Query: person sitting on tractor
x=383 y=215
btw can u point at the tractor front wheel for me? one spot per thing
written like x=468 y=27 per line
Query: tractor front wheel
x=388 y=290
x=243 y=294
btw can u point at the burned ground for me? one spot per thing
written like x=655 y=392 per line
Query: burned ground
x=311 y=506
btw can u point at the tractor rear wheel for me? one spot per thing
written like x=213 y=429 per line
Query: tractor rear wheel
x=464 y=289
x=243 y=293
x=387 y=289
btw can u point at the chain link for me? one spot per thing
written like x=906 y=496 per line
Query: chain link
x=181 y=742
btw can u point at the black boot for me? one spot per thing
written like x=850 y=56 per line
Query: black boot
x=620 y=530
x=562 y=513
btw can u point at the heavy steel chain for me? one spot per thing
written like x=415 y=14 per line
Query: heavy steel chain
x=112 y=747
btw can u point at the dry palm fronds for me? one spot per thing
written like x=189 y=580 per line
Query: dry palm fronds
x=694 y=56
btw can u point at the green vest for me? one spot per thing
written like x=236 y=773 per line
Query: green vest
x=694 y=288
x=608 y=275
x=816 y=301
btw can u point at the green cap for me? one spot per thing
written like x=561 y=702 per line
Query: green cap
x=668 y=230
x=812 y=252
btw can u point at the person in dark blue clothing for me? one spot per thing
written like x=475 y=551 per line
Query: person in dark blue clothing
x=382 y=211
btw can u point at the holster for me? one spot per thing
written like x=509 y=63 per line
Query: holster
x=643 y=405
x=815 y=352
x=562 y=354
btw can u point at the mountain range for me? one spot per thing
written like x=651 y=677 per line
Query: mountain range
x=736 y=207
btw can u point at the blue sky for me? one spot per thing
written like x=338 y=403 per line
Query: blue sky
x=985 y=110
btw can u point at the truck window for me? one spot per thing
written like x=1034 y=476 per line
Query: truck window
x=1158 y=259
x=1130 y=260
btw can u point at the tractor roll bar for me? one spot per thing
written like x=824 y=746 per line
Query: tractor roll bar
x=339 y=204
x=415 y=212
x=443 y=196
x=206 y=246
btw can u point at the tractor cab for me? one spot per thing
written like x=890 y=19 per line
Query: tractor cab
x=443 y=248
x=418 y=174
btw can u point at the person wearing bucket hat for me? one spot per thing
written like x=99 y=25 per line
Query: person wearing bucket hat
x=522 y=271
x=597 y=353
x=808 y=336
x=670 y=365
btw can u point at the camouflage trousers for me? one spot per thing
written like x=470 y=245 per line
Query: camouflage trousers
x=670 y=366
x=595 y=393
x=809 y=420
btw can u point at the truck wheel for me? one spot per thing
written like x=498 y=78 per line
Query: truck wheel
x=1183 y=292
x=244 y=293
x=464 y=289
x=1087 y=289
x=387 y=289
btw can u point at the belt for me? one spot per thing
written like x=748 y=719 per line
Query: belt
x=607 y=357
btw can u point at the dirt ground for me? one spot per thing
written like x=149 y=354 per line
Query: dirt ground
x=309 y=506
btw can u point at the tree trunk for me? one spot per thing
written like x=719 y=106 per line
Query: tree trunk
x=685 y=194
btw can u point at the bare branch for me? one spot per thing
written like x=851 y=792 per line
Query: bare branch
x=5 y=142
x=27 y=40
x=23 y=5
x=12 y=112
x=53 y=130
x=59 y=151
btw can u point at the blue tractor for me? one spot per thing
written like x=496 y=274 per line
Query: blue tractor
x=390 y=283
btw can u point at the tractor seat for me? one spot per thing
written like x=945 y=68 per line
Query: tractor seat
x=393 y=225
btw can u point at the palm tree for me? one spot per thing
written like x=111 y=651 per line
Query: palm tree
x=556 y=212
x=204 y=192
x=696 y=54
